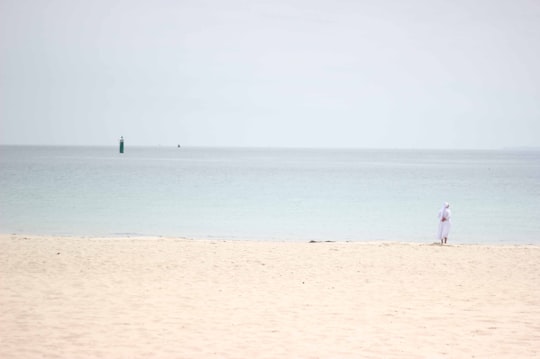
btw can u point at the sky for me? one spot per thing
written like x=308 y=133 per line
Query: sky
x=434 y=74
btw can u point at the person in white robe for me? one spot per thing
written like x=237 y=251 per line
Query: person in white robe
x=444 y=222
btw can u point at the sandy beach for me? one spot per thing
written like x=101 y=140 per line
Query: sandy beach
x=181 y=298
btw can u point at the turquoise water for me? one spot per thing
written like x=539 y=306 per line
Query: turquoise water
x=285 y=194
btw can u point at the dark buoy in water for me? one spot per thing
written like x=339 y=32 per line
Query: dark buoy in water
x=121 y=144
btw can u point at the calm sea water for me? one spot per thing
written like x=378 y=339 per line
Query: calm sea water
x=285 y=194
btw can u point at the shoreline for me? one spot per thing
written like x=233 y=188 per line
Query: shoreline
x=151 y=237
x=170 y=297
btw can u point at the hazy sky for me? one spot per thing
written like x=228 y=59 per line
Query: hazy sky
x=295 y=73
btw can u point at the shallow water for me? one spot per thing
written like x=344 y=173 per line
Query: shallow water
x=286 y=194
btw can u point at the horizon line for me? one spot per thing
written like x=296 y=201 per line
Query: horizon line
x=505 y=148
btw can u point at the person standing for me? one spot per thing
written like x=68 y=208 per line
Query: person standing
x=444 y=222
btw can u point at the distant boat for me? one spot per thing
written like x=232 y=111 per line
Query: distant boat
x=178 y=146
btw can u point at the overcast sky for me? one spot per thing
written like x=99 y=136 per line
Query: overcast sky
x=294 y=73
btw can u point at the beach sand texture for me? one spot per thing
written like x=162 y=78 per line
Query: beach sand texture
x=180 y=298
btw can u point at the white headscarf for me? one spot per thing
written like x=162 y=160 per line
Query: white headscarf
x=444 y=209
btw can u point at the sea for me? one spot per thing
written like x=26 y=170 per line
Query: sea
x=263 y=194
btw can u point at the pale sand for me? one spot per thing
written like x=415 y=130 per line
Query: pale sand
x=179 y=298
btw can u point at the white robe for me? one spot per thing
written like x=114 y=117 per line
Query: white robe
x=444 y=227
